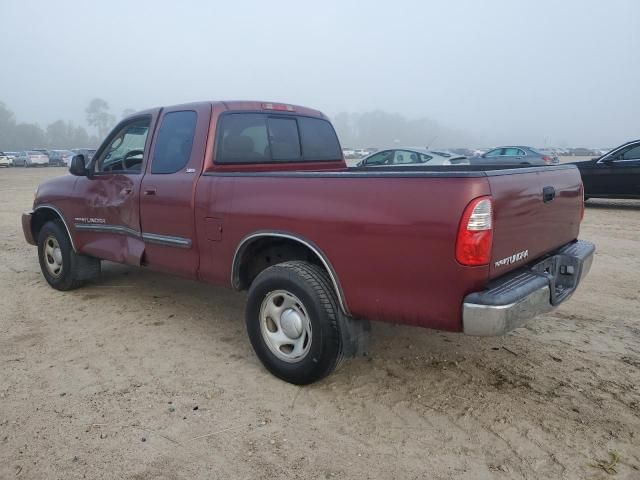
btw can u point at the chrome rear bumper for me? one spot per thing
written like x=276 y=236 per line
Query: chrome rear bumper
x=512 y=300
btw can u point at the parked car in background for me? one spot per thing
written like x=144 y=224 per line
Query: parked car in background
x=60 y=158
x=513 y=155
x=362 y=152
x=550 y=152
x=43 y=151
x=11 y=155
x=5 y=160
x=31 y=158
x=583 y=152
x=615 y=174
x=463 y=152
x=411 y=157
x=348 y=152
x=87 y=152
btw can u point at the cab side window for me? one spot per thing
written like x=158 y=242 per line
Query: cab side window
x=125 y=149
x=494 y=153
x=174 y=142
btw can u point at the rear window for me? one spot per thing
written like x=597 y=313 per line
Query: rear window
x=263 y=138
x=319 y=140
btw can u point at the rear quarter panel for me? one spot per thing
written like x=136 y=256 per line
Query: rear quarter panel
x=391 y=241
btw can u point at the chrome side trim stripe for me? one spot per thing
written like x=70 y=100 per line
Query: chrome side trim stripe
x=168 y=240
x=100 y=227
x=179 y=242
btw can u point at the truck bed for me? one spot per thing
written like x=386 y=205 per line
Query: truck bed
x=390 y=233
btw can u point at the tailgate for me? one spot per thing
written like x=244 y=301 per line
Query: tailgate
x=526 y=224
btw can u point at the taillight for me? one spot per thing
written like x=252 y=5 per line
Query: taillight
x=475 y=233
x=547 y=159
x=582 y=195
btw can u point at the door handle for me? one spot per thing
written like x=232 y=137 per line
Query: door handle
x=548 y=194
x=149 y=191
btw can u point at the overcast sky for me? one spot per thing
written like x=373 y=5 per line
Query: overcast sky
x=533 y=72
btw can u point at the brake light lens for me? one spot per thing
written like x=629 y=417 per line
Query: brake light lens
x=475 y=233
x=547 y=159
x=582 y=195
x=281 y=107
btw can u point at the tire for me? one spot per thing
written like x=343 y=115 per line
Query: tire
x=61 y=267
x=301 y=294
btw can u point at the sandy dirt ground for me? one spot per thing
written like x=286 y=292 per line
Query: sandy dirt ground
x=144 y=376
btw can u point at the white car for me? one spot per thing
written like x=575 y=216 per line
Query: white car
x=411 y=157
x=5 y=160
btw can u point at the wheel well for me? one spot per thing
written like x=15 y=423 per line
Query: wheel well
x=263 y=252
x=42 y=216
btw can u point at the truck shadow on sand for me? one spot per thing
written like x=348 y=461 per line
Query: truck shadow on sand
x=604 y=204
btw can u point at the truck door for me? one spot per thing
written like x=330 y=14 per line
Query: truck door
x=106 y=214
x=168 y=190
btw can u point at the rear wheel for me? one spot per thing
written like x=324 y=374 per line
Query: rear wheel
x=61 y=267
x=294 y=322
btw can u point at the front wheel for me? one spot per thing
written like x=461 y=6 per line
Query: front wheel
x=61 y=267
x=294 y=322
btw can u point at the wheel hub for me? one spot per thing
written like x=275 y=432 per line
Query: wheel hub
x=291 y=323
x=52 y=256
x=285 y=326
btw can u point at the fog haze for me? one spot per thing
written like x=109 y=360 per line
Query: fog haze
x=531 y=72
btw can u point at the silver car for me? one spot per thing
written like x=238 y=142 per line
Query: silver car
x=31 y=158
x=514 y=155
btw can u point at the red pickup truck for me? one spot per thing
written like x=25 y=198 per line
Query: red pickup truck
x=256 y=196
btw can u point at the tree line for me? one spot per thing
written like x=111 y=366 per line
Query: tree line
x=381 y=129
x=357 y=130
x=18 y=136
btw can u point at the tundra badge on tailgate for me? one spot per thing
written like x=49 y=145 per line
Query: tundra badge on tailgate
x=516 y=257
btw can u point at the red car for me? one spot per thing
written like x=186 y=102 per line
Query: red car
x=256 y=196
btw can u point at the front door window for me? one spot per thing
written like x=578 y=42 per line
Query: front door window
x=125 y=150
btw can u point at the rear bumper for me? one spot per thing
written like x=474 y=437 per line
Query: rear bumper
x=26 y=227
x=512 y=300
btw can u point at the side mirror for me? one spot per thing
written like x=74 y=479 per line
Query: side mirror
x=77 y=166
